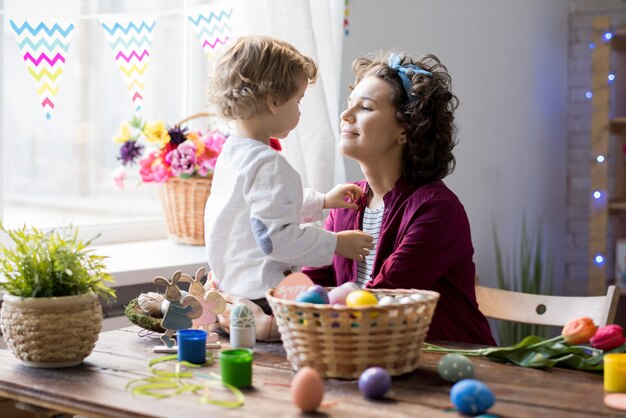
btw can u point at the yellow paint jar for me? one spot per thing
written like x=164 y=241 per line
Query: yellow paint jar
x=615 y=372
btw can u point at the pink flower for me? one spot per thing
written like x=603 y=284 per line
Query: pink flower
x=608 y=337
x=214 y=141
x=119 y=175
x=153 y=168
x=182 y=160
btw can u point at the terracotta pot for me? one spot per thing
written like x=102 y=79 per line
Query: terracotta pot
x=51 y=332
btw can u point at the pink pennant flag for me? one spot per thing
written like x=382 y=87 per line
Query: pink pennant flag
x=131 y=41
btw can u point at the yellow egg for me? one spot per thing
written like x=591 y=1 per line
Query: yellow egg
x=307 y=389
x=361 y=298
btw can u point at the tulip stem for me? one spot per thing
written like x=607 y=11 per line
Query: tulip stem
x=557 y=339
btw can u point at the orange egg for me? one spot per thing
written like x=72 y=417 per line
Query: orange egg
x=307 y=389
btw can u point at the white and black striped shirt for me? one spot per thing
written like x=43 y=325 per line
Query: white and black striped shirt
x=372 y=221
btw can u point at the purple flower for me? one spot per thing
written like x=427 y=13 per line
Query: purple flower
x=182 y=160
x=129 y=152
x=178 y=135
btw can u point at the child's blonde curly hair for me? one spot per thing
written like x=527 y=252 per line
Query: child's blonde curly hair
x=254 y=69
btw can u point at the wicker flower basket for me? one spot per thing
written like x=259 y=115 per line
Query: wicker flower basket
x=51 y=332
x=183 y=202
x=341 y=342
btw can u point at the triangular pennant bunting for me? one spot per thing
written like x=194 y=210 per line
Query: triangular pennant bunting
x=213 y=25
x=44 y=45
x=131 y=40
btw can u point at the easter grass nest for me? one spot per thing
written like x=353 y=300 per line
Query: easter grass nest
x=138 y=317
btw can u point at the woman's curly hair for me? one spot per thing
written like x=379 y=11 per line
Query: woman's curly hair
x=256 y=68
x=427 y=113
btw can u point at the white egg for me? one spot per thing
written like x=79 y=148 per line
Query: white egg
x=387 y=300
x=418 y=297
x=165 y=304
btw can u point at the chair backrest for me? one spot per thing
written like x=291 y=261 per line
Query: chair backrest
x=546 y=310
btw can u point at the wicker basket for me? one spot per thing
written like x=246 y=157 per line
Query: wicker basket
x=341 y=342
x=51 y=332
x=183 y=202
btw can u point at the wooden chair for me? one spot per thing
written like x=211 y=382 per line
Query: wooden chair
x=546 y=310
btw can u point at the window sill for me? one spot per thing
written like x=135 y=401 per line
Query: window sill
x=139 y=262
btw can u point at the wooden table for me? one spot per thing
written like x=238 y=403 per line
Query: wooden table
x=97 y=388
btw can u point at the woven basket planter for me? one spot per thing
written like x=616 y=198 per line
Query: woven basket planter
x=51 y=332
x=342 y=342
x=183 y=202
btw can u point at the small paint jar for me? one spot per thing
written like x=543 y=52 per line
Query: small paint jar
x=192 y=345
x=236 y=367
x=615 y=372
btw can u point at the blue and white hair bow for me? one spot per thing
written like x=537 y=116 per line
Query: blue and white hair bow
x=404 y=71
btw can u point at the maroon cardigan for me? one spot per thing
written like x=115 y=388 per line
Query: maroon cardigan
x=424 y=243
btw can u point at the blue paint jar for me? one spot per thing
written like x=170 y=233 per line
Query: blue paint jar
x=192 y=345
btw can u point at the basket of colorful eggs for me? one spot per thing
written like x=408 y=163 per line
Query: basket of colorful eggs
x=342 y=331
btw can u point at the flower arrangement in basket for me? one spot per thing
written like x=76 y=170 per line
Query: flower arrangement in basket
x=342 y=341
x=180 y=161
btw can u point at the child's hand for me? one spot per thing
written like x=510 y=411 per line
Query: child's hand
x=354 y=244
x=266 y=328
x=336 y=198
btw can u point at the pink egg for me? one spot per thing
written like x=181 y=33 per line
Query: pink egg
x=337 y=296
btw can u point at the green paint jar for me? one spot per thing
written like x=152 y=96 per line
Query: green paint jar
x=236 y=367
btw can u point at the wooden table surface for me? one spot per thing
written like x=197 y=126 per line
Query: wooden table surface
x=97 y=388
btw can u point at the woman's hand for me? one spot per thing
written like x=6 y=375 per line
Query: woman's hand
x=336 y=198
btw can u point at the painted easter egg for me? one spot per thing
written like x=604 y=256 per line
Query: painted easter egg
x=337 y=295
x=311 y=296
x=241 y=316
x=374 y=382
x=455 y=367
x=307 y=389
x=321 y=291
x=471 y=397
x=358 y=298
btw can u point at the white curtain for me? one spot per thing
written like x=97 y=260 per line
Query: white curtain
x=315 y=28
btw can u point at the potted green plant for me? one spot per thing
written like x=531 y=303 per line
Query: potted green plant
x=526 y=269
x=51 y=314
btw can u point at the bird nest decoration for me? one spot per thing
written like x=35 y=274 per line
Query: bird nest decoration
x=140 y=316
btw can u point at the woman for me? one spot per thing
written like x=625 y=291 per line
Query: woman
x=399 y=126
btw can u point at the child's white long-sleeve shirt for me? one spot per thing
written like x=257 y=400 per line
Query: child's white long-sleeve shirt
x=252 y=220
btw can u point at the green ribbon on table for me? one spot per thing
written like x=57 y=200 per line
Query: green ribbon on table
x=538 y=352
x=163 y=383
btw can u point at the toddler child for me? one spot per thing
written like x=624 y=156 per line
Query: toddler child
x=253 y=217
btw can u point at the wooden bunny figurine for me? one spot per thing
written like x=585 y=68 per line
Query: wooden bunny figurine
x=212 y=303
x=180 y=313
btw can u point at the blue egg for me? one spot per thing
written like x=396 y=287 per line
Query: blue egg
x=471 y=396
x=374 y=382
x=311 y=297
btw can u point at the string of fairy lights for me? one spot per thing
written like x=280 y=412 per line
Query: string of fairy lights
x=598 y=195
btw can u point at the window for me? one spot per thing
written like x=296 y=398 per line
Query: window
x=58 y=171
